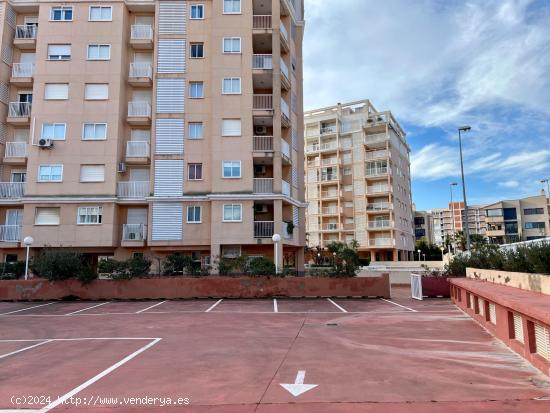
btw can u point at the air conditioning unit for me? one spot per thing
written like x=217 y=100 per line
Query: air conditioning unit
x=260 y=130
x=45 y=143
x=260 y=170
x=121 y=167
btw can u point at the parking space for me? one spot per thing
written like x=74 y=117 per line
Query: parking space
x=246 y=306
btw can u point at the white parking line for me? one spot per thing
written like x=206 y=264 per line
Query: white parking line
x=214 y=305
x=151 y=306
x=24 y=349
x=399 y=305
x=342 y=309
x=88 y=308
x=28 y=308
x=275 y=306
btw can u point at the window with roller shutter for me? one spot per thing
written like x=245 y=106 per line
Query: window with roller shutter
x=168 y=177
x=170 y=95
x=167 y=222
x=172 y=17
x=169 y=136
x=171 y=56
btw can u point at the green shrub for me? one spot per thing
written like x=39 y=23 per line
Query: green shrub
x=12 y=270
x=179 y=263
x=110 y=266
x=54 y=264
x=538 y=255
x=136 y=266
x=289 y=272
x=319 y=271
x=345 y=259
x=261 y=266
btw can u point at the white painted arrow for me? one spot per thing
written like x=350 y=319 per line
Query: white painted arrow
x=298 y=387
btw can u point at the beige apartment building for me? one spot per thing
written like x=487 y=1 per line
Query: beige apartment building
x=358 y=183
x=448 y=221
x=136 y=126
x=423 y=226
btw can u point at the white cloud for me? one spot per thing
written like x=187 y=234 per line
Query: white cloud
x=509 y=184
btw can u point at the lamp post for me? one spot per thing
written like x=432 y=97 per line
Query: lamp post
x=419 y=255
x=547 y=181
x=442 y=253
x=276 y=238
x=467 y=227
x=28 y=242
x=453 y=227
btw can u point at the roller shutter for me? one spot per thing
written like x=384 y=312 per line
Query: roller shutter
x=167 y=222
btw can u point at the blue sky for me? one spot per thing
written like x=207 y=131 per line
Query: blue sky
x=439 y=64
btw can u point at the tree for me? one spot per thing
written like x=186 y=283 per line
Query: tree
x=345 y=259
x=431 y=251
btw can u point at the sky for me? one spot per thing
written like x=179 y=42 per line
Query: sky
x=438 y=65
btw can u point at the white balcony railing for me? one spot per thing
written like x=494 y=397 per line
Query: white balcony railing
x=262 y=143
x=22 y=70
x=261 y=21
x=379 y=154
x=329 y=161
x=262 y=61
x=312 y=148
x=133 y=189
x=330 y=210
x=10 y=233
x=284 y=32
x=19 y=110
x=377 y=189
x=284 y=69
x=381 y=242
x=328 y=146
x=285 y=148
x=262 y=102
x=16 y=150
x=286 y=188
x=329 y=176
x=332 y=226
x=376 y=171
x=12 y=190
x=380 y=223
x=141 y=69
x=329 y=194
x=134 y=232
x=285 y=109
x=263 y=229
x=137 y=149
x=263 y=185
x=328 y=129
x=379 y=206
x=26 y=32
x=141 y=32
x=139 y=109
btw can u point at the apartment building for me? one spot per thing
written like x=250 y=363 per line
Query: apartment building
x=448 y=221
x=148 y=127
x=358 y=180
x=518 y=220
x=423 y=226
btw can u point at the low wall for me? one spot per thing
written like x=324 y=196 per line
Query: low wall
x=532 y=282
x=199 y=287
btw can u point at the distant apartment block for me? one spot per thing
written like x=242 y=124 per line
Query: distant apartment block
x=148 y=127
x=423 y=226
x=358 y=184
x=449 y=221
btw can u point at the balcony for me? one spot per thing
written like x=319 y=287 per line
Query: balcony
x=19 y=113
x=263 y=229
x=285 y=45
x=285 y=76
x=286 y=189
x=141 y=36
x=134 y=235
x=330 y=161
x=22 y=74
x=329 y=146
x=328 y=130
x=262 y=61
x=12 y=190
x=133 y=189
x=312 y=148
x=380 y=224
x=379 y=206
x=332 y=226
x=377 y=140
x=378 y=154
x=371 y=172
x=10 y=233
x=326 y=177
x=263 y=185
x=330 y=194
x=285 y=152
x=137 y=152
x=381 y=242
x=331 y=210
x=285 y=114
x=139 y=113
x=262 y=103
x=262 y=143
x=16 y=153
x=378 y=189
x=261 y=22
x=25 y=36
x=140 y=74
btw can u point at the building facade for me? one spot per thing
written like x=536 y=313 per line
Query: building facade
x=358 y=184
x=136 y=126
x=423 y=226
x=449 y=221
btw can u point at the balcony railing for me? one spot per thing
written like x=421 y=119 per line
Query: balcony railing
x=382 y=153
x=330 y=210
x=139 y=109
x=134 y=232
x=137 y=149
x=329 y=194
x=285 y=109
x=329 y=177
x=262 y=143
x=286 y=188
x=312 y=148
x=133 y=189
x=333 y=226
x=262 y=61
x=284 y=69
x=12 y=190
x=377 y=189
x=376 y=171
x=329 y=161
x=22 y=70
x=328 y=129
x=16 y=150
x=141 y=32
x=26 y=32
x=381 y=223
x=381 y=242
x=285 y=148
x=263 y=229
x=263 y=185
x=10 y=233
x=262 y=102
x=375 y=139
x=140 y=69
x=328 y=146
x=379 y=206
x=284 y=32
x=19 y=110
x=260 y=21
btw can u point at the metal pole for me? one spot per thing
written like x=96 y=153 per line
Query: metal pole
x=276 y=258
x=466 y=228
x=452 y=211
x=27 y=264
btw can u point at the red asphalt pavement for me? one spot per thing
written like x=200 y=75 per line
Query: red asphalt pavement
x=378 y=357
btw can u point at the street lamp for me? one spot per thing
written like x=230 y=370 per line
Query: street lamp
x=276 y=238
x=442 y=253
x=467 y=227
x=419 y=255
x=547 y=181
x=28 y=242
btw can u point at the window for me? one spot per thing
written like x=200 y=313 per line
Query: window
x=94 y=131
x=56 y=91
x=59 y=52
x=96 y=91
x=231 y=127
x=46 y=216
x=89 y=215
x=92 y=173
x=195 y=130
x=195 y=172
x=494 y=212
x=510 y=213
x=50 y=173
x=231 y=169
x=232 y=213
x=232 y=45
x=61 y=14
x=534 y=225
x=347 y=171
x=99 y=51
x=194 y=215
x=100 y=14
x=533 y=211
x=231 y=6
x=53 y=131
x=197 y=11
x=197 y=50
x=231 y=86
x=196 y=90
